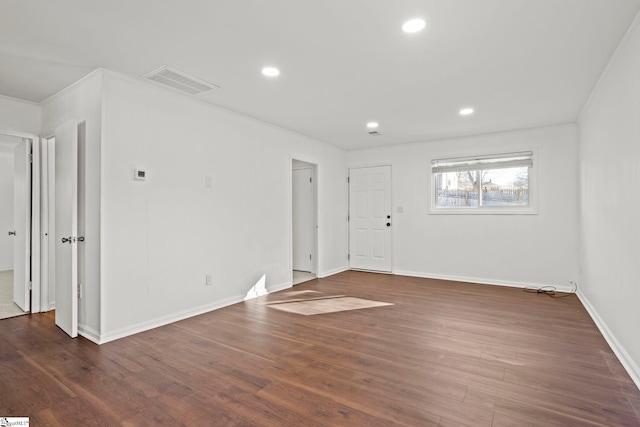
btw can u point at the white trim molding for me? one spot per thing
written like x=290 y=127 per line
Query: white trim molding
x=97 y=338
x=627 y=362
x=280 y=287
x=482 y=281
x=328 y=273
x=89 y=333
x=165 y=320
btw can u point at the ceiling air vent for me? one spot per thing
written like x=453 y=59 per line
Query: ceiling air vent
x=180 y=81
x=374 y=133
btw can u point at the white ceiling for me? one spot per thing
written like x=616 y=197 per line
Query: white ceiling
x=520 y=63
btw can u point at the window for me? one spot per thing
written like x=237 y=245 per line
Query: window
x=483 y=184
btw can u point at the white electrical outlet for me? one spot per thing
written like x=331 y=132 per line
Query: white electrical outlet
x=208 y=280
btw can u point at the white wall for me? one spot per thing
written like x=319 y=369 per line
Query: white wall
x=6 y=208
x=610 y=202
x=162 y=236
x=518 y=250
x=81 y=102
x=19 y=116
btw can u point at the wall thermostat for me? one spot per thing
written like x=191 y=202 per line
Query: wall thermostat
x=140 y=174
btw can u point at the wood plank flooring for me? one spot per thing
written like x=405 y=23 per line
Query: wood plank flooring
x=444 y=354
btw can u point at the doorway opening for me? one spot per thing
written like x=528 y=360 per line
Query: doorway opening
x=15 y=225
x=304 y=221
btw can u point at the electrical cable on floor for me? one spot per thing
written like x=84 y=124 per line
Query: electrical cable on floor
x=552 y=291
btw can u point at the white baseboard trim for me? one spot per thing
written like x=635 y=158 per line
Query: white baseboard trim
x=328 y=273
x=48 y=307
x=627 y=362
x=481 y=281
x=280 y=287
x=262 y=291
x=165 y=320
x=89 y=333
x=6 y=268
x=94 y=336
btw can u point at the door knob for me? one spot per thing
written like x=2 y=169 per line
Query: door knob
x=66 y=240
x=12 y=233
x=388 y=224
x=81 y=239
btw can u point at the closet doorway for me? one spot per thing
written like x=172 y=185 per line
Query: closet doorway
x=304 y=221
x=15 y=225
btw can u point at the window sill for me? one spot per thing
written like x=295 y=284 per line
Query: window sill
x=484 y=211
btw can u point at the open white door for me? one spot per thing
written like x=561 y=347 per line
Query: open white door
x=22 y=224
x=370 y=218
x=303 y=221
x=66 y=225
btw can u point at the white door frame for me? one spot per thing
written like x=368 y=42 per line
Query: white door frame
x=47 y=232
x=34 y=241
x=314 y=176
x=36 y=223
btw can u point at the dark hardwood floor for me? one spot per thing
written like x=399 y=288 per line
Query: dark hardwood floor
x=445 y=354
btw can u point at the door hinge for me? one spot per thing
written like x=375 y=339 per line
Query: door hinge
x=309 y=257
x=348 y=179
x=348 y=256
x=348 y=217
x=30 y=157
x=30 y=286
x=310 y=179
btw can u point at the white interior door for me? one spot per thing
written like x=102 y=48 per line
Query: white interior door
x=66 y=225
x=370 y=218
x=22 y=221
x=303 y=222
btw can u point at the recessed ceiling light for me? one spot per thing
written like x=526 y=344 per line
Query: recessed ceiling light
x=270 y=71
x=373 y=125
x=466 y=111
x=413 y=25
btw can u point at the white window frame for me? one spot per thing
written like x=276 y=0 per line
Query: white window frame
x=480 y=162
